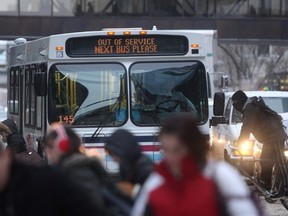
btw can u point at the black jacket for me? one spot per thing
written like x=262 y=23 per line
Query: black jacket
x=34 y=191
x=264 y=127
x=16 y=143
x=10 y=124
x=135 y=167
x=88 y=174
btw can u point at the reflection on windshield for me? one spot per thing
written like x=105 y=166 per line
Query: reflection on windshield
x=279 y=105
x=88 y=94
x=160 y=90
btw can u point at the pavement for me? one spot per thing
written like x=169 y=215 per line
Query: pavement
x=275 y=209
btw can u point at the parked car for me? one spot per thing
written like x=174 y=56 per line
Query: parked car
x=227 y=123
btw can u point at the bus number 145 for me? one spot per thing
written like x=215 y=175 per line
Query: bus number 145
x=68 y=119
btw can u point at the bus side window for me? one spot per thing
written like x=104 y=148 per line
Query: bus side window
x=11 y=93
x=27 y=95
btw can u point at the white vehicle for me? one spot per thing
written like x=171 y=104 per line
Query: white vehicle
x=228 y=126
x=100 y=81
x=210 y=40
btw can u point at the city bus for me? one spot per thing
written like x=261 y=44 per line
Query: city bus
x=97 y=82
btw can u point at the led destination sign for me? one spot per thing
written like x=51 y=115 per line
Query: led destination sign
x=127 y=45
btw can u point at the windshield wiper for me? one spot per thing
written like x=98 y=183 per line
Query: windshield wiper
x=98 y=102
x=108 y=117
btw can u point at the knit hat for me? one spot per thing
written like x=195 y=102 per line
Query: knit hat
x=239 y=96
x=239 y=99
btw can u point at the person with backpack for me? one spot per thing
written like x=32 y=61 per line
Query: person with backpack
x=187 y=183
x=267 y=128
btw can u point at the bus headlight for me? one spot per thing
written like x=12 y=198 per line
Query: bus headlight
x=246 y=148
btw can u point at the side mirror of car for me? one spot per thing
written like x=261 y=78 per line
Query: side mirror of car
x=219 y=104
x=40 y=84
x=224 y=81
x=216 y=120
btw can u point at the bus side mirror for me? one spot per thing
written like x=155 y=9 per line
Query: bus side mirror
x=219 y=104
x=40 y=84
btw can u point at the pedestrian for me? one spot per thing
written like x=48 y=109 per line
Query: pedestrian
x=186 y=183
x=17 y=144
x=39 y=191
x=134 y=166
x=267 y=128
x=90 y=10
x=62 y=147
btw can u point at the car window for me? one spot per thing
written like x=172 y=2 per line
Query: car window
x=236 y=117
x=228 y=110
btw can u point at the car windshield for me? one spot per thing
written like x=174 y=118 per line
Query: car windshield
x=161 y=89
x=88 y=94
x=278 y=104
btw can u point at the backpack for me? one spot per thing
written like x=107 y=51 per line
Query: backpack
x=116 y=203
x=260 y=103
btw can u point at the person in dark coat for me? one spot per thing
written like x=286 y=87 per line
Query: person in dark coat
x=267 y=128
x=134 y=166
x=17 y=144
x=62 y=146
x=39 y=191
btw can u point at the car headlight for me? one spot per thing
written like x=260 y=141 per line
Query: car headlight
x=245 y=148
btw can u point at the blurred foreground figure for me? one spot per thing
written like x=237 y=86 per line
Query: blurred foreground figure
x=38 y=191
x=134 y=166
x=63 y=149
x=185 y=183
x=17 y=144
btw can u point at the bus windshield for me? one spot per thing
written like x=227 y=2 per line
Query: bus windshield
x=88 y=94
x=161 y=89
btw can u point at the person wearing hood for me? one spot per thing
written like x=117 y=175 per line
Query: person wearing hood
x=8 y=127
x=134 y=166
x=267 y=128
x=17 y=144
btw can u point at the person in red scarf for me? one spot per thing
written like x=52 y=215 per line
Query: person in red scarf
x=186 y=183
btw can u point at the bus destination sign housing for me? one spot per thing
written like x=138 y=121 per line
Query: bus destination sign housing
x=127 y=45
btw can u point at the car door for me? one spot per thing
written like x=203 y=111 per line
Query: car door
x=224 y=128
